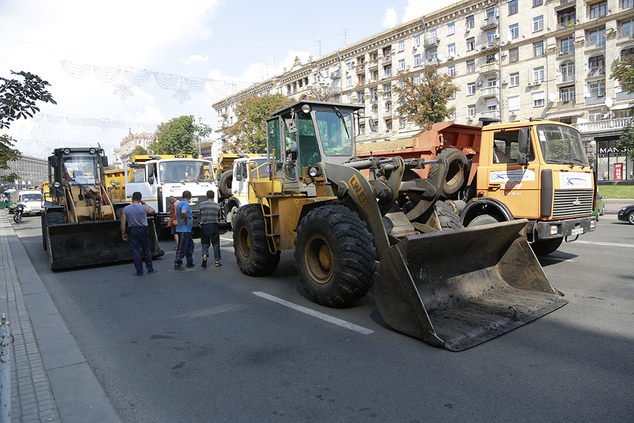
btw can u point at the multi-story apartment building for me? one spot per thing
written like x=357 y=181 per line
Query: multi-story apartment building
x=129 y=143
x=33 y=171
x=511 y=60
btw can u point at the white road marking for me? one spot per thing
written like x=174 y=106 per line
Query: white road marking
x=606 y=244
x=556 y=259
x=314 y=313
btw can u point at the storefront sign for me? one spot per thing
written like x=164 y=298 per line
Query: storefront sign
x=618 y=171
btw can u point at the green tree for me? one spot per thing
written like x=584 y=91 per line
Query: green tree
x=425 y=101
x=139 y=151
x=248 y=134
x=623 y=71
x=18 y=100
x=176 y=136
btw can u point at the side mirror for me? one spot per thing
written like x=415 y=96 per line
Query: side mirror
x=524 y=146
x=151 y=180
x=372 y=124
x=104 y=161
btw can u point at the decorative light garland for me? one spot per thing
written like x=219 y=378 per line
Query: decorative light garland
x=123 y=80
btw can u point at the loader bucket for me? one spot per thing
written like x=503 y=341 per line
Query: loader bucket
x=89 y=243
x=455 y=289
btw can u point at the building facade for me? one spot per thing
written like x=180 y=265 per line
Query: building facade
x=129 y=143
x=33 y=171
x=510 y=59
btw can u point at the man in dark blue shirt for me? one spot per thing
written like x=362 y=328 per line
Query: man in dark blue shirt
x=135 y=215
x=184 y=231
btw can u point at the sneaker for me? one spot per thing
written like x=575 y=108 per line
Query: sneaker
x=190 y=266
x=179 y=268
x=204 y=263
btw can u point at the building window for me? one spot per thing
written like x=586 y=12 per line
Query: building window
x=373 y=94
x=432 y=37
x=538 y=48
x=401 y=65
x=596 y=88
x=387 y=90
x=514 y=79
x=566 y=46
x=514 y=54
x=538 y=75
x=599 y=10
x=451 y=70
x=514 y=102
x=451 y=28
x=362 y=79
x=512 y=7
x=417 y=79
x=388 y=125
x=627 y=28
x=471 y=88
x=491 y=37
x=416 y=40
x=514 y=31
x=626 y=52
x=627 y=4
x=567 y=72
x=471 y=111
x=470 y=22
x=451 y=50
x=432 y=53
x=417 y=60
x=538 y=23
x=470 y=44
x=566 y=18
x=596 y=66
x=401 y=45
x=349 y=81
x=537 y=3
x=539 y=99
x=470 y=65
x=597 y=37
x=567 y=94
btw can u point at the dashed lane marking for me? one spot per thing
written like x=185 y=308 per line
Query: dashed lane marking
x=211 y=310
x=314 y=313
x=606 y=244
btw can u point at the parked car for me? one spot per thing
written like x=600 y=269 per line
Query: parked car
x=627 y=214
x=600 y=209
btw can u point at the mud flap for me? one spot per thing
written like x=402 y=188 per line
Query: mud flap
x=91 y=243
x=458 y=288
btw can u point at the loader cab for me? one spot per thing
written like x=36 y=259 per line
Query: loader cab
x=308 y=132
x=76 y=167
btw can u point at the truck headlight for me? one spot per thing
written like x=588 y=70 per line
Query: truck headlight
x=554 y=230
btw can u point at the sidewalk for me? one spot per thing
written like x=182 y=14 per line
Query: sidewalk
x=50 y=378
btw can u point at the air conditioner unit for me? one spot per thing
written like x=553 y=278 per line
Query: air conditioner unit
x=530 y=84
x=505 y=82
x=479 y=83
x=512 y=113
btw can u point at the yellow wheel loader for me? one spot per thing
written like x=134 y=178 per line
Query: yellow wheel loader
x=358 y=223
x=81 y=224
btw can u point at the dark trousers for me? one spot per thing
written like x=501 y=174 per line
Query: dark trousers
x=210 y=235
x=140 y=243
x=185 y=249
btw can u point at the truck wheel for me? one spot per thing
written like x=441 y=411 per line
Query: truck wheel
x=231 y=215
x=224 y=183
x=334 y=256
x=483 y=219
x=249 y=242
x=455 y=179
x=546 y=246
x=447 y=216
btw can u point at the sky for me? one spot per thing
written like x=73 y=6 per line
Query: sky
x=88 y=51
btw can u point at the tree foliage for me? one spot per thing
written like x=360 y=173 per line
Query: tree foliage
x=248 y=134
x=180 y=136
x=623 y=71
x=18 y=100
x=425 y=101
x=139 y=151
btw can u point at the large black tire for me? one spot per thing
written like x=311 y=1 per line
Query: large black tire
x=249 y=242
x=630 y=218
x=334 y=256
x=455 y=179
x=483 y=219
x=546 y=246
x=224 y=183
x=447 y=216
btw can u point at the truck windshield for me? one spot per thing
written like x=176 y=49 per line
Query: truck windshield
x=80 y=169
x=335 y=129
x=561 y=144
x=185 y=171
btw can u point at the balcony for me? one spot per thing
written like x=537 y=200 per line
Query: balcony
x=565 y=52
x=490 y=45
x=361 y=68
x=490 y=23
x=564 y=4
x=491 y=114
x=434 y=61
x=335 y=74
x=489 y=92
x=489 y=68
x=432 y=42
x=596 y=43
x=602 y=125
x=596 y=71
x=373 y=64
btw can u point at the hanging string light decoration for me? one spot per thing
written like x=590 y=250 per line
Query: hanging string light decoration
x=124 y=79
x=103 y=123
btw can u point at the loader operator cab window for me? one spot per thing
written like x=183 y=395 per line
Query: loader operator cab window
x=335 y=129
x=308 y=148
x=79 y=169
x=273 y=140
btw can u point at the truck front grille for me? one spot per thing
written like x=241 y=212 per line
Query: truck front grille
x=572 y=202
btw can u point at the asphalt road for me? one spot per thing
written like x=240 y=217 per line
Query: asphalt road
x=214 y=345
